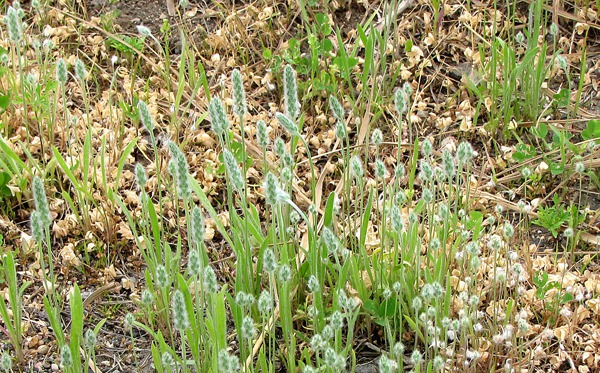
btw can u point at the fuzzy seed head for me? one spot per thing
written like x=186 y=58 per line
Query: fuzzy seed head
x=90 y=339
x=144 y=31
x=313 y=284
x=218 y=116
x=129 y=320
x=162 y=277
x=41 y=202
x=273 y=192
x=340 y=130
x=569 y=233
x=495 y=242
x=80 y=71
x=290 y=93
x=13 y=22
x=227 y=363
x=381 y=171
x=233 y=170
x=448 y=162
x=198 y=226
x=508 y=231
x=37 y=226
x=280 y=149
x=145 y=116
x=416 y=357
x=239 y=97
x=356 y=168
x=248 y=329
x=244 y=299
x=287 y=123
x=210 y=280
x=562 y=63
x=262 y=134
x=347 y=304
x=66 y=358
x=61 y=71
x=400 y=101
x=401 y=198
x=141 y=178
x=396 y=220
x=426 y=173
x=426 y=148
x=167 y=360
x=407 y=88
x=284 y=274
x=6 y=362
x=417 y=304
x=269 y=261
x=464 y=153
x=336 y=320
x=147 y=298
x=181 y=319
x=387 y=365
x=194 y=263
x=179 y=171
x=438 y=363
x=336 y=108
x=317 y=342
x=377 y=137
x=427 y=195
x=265 y=303
x=332 y=244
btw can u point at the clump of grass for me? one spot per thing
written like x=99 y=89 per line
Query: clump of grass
x=397 y=250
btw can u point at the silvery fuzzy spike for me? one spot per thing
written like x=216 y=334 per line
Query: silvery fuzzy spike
x=233 y=170
x=336 y=108
x=290 y=93
x=218 y=116
x=80 y=71
x=262 y=134
x=239 y=97
x=41 y=202
x=145 y=116
x=287 y=123
x=181 y=319
x=61 y=71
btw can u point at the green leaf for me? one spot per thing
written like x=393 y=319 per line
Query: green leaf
x=562 y=98
x=323 y=24
x=540 y=131
x=267 y=54
x=327 y=46
x=408 y=46
x=4 y=102
x=328 y=218
x=556 y=168
x=370 y=306
x=592 y=130
x=523 y=152
x=127 y=44
x=4 y=178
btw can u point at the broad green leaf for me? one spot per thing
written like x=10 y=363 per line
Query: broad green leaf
x=592 y=130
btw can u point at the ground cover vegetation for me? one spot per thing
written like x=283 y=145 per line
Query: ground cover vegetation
x=299 y=186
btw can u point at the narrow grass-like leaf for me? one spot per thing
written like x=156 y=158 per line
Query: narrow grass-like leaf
x=210 y=209
x=76 y=335
x=366 y=218
x=128 y=149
